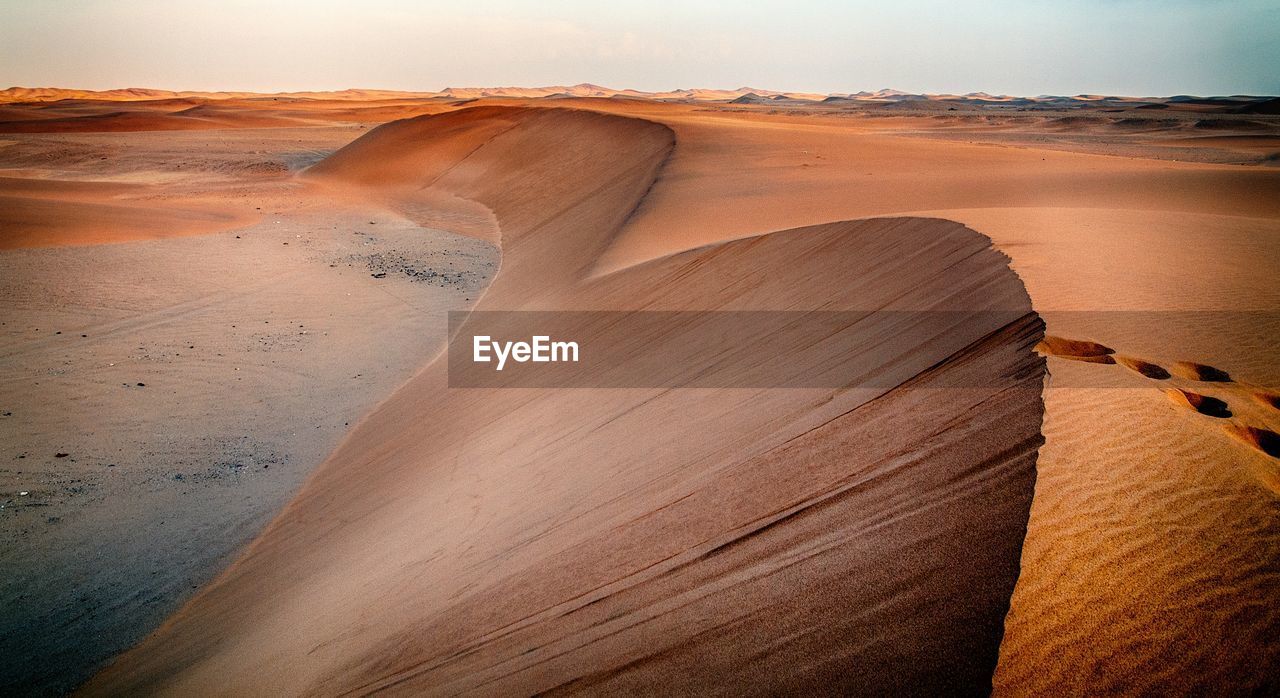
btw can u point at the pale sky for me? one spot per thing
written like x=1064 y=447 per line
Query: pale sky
x=1021 y=47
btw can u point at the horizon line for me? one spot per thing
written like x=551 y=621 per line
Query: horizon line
x=742 y=90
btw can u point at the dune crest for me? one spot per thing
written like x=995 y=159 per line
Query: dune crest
x=510 y=541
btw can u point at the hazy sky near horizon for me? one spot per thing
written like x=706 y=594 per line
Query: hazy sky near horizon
x=1023 y=47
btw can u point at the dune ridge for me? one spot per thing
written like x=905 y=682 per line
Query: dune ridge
x=1154 y=528
x=510 y=541
x=1242 y=104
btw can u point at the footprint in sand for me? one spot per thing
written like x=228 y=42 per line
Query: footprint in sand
x=1144 y=367
x=1193 y=371
x=1260 y=438
x=1204 y=404
x=1264 y=440
x=1076 y=350
x=1267 y=398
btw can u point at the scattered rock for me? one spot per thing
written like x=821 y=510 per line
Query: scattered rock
x=61 y=455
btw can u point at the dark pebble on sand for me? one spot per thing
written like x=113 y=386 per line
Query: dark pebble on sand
x=142 y=385
x=61 y=455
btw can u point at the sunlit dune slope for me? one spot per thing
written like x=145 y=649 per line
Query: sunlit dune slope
x=48 y=213
x=196 y=118
x=560 y=182
x=718 y=541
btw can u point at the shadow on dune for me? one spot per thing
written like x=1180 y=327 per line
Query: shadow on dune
x=720 y=541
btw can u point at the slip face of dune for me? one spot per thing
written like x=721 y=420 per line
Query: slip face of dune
x=560 y=182
x=720 y=541
x=1144 y=511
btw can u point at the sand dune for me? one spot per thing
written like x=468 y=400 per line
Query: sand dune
x=26 y=94
x=41 y=213
x=196 y=118
x=883 y=98
x=1116 y=235
x=591 y=571
x=1082 y=241
x=28 y=221
x=493 y=156
x=57 y=94
x=509 y=541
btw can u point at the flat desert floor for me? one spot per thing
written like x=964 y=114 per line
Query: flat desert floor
x=232 y=462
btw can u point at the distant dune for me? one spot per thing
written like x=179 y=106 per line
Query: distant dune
x=196 y=118
x=38 y=213
x=1238 y=103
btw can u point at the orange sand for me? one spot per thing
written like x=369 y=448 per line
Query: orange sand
x=513 y=541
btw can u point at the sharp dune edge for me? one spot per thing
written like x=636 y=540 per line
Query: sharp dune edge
x=511 y=541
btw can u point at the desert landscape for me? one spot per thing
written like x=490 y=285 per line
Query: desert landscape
x=234 y=462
